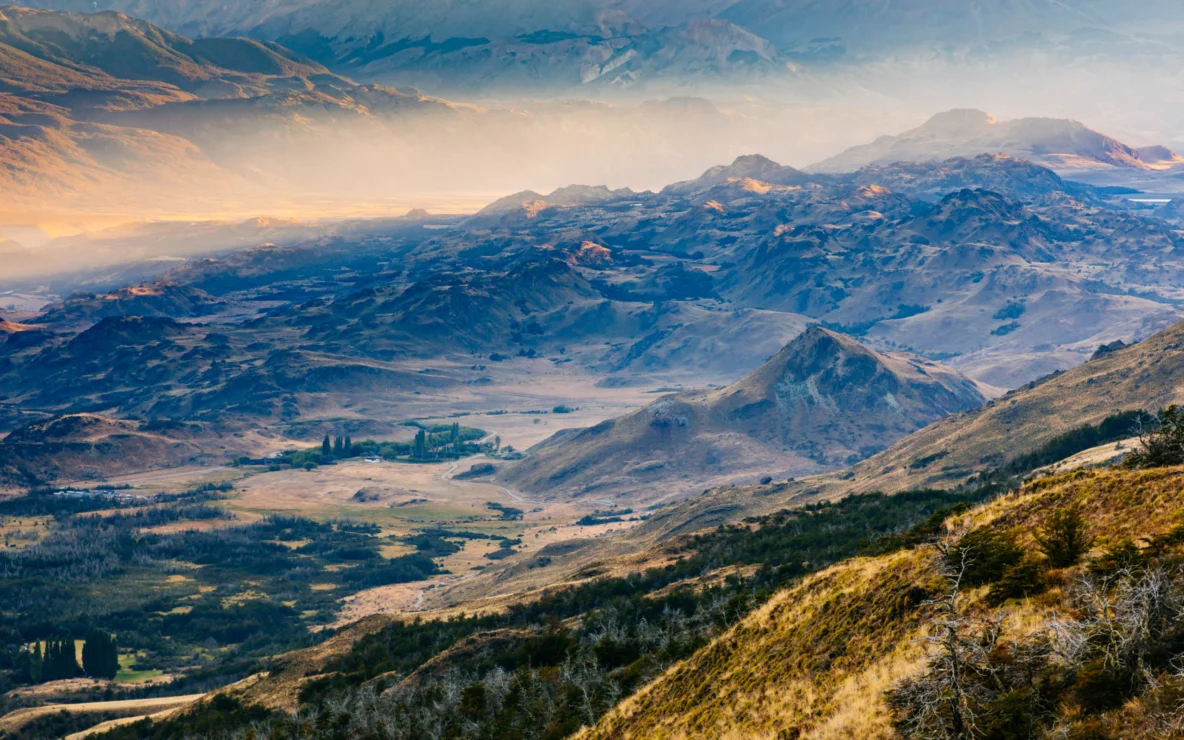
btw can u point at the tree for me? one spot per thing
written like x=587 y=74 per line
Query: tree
x=100 y=655
x=338 y=447
x=60 y=662
x=976 y=683
x=36 y=664
x=1164 y=445
x=349 y=447
x=420 y=451
x=326 y=447
x=1064 y=537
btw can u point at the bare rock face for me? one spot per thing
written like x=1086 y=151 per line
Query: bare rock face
x=824 y=401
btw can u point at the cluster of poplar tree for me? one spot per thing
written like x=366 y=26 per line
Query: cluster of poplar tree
x=338 y=449
x=59 y=659
x=100 y=655
x=426 y=444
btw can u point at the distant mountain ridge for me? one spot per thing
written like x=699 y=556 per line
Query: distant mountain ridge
x=613 y=43
x=822 y=402
x=1057 y=143
x=105 y=106
x=446 y=45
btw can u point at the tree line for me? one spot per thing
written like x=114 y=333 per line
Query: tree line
x=59 y=659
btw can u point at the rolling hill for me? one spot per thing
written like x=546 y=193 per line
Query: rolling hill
x=823 y=402
x=90 y=446
x=155 y=301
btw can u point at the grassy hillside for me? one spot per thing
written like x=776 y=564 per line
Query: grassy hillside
x=816 y=654
x=818 y=659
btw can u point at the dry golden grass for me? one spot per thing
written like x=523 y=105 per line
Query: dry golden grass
x=785 y=667
x=815 y=661
x=14 y=721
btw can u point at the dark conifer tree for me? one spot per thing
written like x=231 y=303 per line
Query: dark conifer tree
x=349 y=447
x=37 y=664
x=326 y=447
x=100 y=655
x=60 y=661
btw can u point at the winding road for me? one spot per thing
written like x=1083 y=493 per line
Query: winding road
x=446 y=476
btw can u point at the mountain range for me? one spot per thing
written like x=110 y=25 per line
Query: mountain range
x=700 y=283
x=463 y=46
x=563 y=46
x=107 y=113
x=103 y=111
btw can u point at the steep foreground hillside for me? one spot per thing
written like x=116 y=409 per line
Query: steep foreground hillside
x=825 y=400
x=818 y=659
x=1051 y=611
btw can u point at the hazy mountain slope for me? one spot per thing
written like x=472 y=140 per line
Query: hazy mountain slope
x=105 y=108
x=45 y=156
x=1060 y=144
x=823 y=401
x=517 y=43
x=861 y=29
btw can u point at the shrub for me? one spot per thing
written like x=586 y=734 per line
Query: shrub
x=1064 y=538
x=1120 y=556
x=1018 y=581
x=987 y=555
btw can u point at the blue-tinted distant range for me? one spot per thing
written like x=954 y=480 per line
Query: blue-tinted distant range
x=539 y=46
